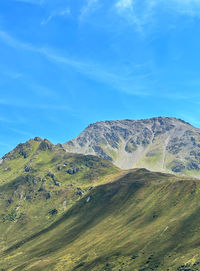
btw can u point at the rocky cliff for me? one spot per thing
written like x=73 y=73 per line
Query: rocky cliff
x=159 y=144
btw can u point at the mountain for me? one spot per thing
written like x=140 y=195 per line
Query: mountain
x=159 y=144
x=39 y=182
x=64 y=211
x=142 y=221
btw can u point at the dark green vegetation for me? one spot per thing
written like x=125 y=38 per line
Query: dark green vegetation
x=62 y=211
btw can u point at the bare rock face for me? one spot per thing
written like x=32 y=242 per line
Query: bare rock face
x=45 y=145
x=161 y=144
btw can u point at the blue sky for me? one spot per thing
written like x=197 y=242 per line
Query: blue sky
x=67 y=63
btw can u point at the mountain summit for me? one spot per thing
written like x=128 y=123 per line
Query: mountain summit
x=158 y=144
x=68 y=211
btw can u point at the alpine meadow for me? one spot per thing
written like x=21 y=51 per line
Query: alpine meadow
x=99 y=135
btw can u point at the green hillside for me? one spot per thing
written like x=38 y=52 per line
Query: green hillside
x=132 y=220
x=39 y=182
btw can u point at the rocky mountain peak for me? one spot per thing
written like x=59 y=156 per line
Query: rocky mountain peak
x=160 y=143
x=26 y=149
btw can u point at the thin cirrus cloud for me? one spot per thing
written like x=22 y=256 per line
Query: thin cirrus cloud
x=124 y=4
x=121 y=82
x=187 y=7
x=145 y=12
x=7 y=120
x=88 y=8
x=56 y=13
x=24 y=104
x=191 y=7
x=11 y=74
x=17 y=119
x=136 y=81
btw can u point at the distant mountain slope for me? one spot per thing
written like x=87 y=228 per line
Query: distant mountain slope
x=39 y=182
x=143 y=221
x=73 y=212
x=159 y=144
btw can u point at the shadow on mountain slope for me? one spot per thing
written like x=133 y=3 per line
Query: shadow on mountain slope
x=143 y=221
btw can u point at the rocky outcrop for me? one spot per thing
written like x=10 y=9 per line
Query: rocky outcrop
x=22 y=150
x=27 y=168
x=45 y=145
x=72 y=171
x=38 y=139
x=159 y=144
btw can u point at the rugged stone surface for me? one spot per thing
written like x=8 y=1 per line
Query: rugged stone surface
x=27 y=168
x=37 y=138
x=72 y=171
x=45 y=145
x=161 y=144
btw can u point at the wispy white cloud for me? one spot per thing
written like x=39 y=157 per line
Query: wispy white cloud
x=6 y=120
x=12 y=75
x=28 y=105
x=142 y=13
x=88 y=8
x=187 y=7
x=12 y=42
x=56 y=13
x=15 y=120
x=126 y=82
x=135 y=12
x=124 y=4
x=134 y=80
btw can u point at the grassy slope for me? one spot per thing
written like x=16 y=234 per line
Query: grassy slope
x=143 y=221
x=25 y=208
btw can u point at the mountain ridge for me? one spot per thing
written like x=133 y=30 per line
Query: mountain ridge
x=136 y=222
x=79 y=212
x=160 y=144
